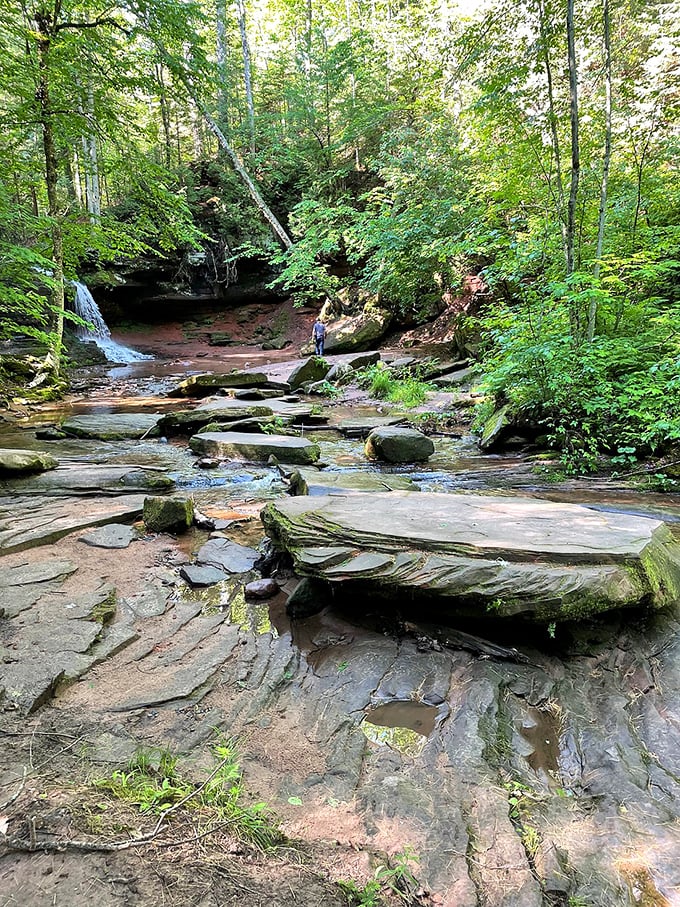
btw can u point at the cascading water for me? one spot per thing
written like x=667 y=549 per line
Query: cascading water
x=87 y=308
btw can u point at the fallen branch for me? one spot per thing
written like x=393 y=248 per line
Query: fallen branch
x=69 y=845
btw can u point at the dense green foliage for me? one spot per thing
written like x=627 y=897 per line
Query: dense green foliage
x=403 y=146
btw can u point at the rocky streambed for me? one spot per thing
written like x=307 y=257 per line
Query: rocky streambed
x=521 y=763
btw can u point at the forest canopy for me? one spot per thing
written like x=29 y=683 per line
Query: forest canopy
x=398 y=146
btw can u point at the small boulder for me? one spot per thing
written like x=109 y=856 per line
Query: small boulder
x=398 y=445
x=262 y=588
x=21 y=462
x=254 y=447
x=313 y=369
x=168 y=514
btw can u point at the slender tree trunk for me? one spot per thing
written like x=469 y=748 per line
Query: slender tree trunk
x=222 y=50
x=592 y=308
x=76 y=177
x=552 y=123
x=44 y=40
x=93 y=198
x=247 y=71
x=165 y=115
x=575 y=149
x=255 y=194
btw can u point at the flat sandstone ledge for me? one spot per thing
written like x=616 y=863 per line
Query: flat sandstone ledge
x=257 y=448
x=482 y=555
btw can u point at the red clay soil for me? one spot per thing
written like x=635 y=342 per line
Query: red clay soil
x=248 y=326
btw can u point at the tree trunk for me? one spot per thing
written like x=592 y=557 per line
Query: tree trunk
x=165 y=115
x=237 y=164
x=45 y=114
x=93 y=199
x=575 y=150
x=222 y=50
x=592 y=308
x=552 y=124
x=247 y=72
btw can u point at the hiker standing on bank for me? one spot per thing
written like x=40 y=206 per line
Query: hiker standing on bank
x=319 y=336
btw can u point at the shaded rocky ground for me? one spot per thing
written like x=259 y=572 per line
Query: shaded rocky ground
x=545 y=774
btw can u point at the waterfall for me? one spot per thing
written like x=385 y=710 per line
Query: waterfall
x=87 y=308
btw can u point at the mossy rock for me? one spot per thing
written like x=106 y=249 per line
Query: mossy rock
x=24 y=462
x=168 y=514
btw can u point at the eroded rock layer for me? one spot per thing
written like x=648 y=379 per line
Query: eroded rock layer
x=482 y=554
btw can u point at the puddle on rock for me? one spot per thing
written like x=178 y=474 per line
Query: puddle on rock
x=253 y=616
x=403 y=725
x=541 y=731
x=229 y=596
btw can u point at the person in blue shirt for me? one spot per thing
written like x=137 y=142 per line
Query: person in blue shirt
x=319 y=336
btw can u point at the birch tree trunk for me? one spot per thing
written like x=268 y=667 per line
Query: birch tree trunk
x=602 y=218
x=44 y=35
x=93 y=200
x=558 y=194
x=575 y=149
x=247 y=71
x=254 y=192
x=222 y=51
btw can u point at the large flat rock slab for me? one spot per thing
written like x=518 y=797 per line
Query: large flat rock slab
x=228 y=409
x=482 y=555
x=206 y=384
x=112 y=426
x=90 y=479
x=258 y=448
x=30 y=520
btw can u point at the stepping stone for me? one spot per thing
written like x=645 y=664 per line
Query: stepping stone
x=362 y=427
x=116 y=535
x=204 y=385
x=82 y=479
x=226 y=555
x=197 y=575
x=112 y=426
x=258 y=448
x=398 y=445
x=323 y=481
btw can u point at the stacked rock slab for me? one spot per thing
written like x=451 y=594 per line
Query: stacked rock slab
x=481 y=555
x=257 y=448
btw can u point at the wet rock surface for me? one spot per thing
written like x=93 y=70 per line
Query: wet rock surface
x=28 y=521
x=320 y=482
x=111 y=426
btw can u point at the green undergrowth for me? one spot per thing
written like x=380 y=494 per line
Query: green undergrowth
x=153 y=784
x=393 y=881
x=410 y=390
